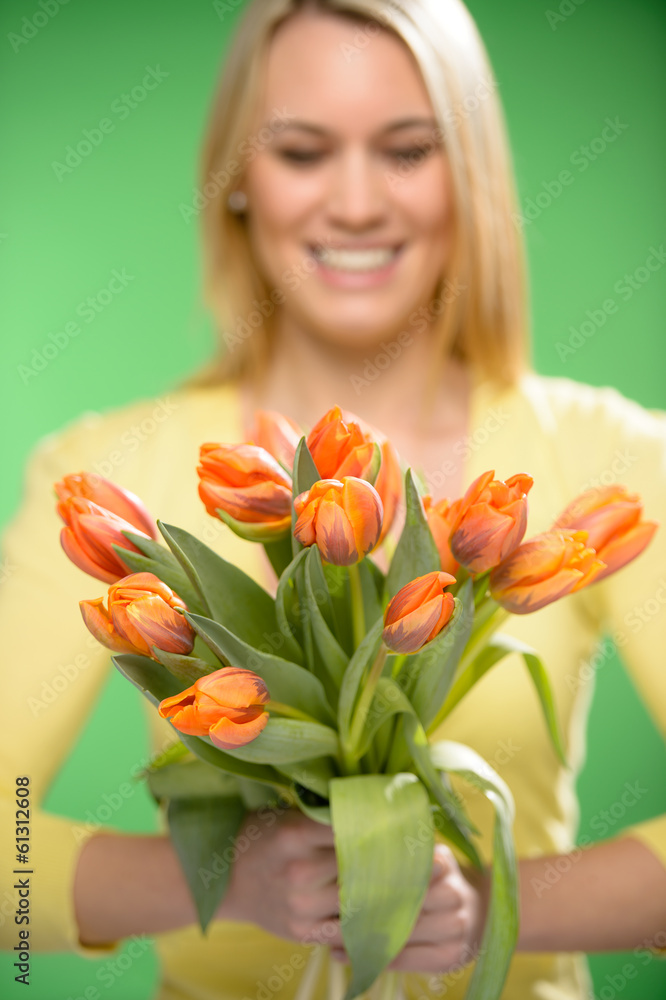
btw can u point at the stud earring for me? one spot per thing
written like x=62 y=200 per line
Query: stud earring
x=237 y=202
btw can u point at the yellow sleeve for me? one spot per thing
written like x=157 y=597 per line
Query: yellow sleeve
x=604 y=438
x=634 y=599
x=52 y=673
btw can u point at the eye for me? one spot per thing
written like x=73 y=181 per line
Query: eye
x=300 y=156
x=412 y=154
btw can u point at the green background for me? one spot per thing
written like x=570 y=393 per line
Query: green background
x=61 y=239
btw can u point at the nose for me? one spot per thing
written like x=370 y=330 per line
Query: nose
x=357 y=196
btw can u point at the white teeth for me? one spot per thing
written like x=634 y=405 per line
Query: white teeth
x=355 y=260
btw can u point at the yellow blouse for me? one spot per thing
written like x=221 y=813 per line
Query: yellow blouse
x=566 y=435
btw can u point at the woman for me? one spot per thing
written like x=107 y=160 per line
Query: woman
x=360 y=249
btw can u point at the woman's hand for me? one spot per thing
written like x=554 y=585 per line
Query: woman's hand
x=285 y=880
x=448 y=932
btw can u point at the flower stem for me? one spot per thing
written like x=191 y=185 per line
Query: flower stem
x=358 y=612
x=490 y=619
x=365 y=700
x=280 y=708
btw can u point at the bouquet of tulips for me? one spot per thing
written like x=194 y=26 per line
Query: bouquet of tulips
x=336 y=711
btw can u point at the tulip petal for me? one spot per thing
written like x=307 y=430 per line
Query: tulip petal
x=363 y=507
x=159 y=625
x=234 y=687
x=412 y=631
x=227 y=734
x=97 y=622
x=335 y=536
x=621 y=551
x=80 y=558
x=522 y=599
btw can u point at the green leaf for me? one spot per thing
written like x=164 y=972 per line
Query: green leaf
x=306 y=473
x=186 y=669
x=312 y=774
x=333 y=657
x=501 y=930
x=202 y=830
x=362 y=659
x=337 y=579
x=384 y=845
x=428 y=674
x=372 y=604
x=166 y=568
x=279 y=553
x=288 y=741
x=287 y=608
x=151 y=678
x=205 y=751
x=190 y=779
x=416 y=553
x=286 y=682
x=391 y=700
x=304 y=477
x=229 y=594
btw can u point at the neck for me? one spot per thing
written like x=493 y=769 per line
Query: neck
x=386 y=384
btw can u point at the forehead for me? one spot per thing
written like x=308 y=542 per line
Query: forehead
x=342 y=73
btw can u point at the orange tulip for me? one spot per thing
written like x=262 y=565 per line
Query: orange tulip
x=142 y=613
x=490 y=522
x=106 y=494
x=441 y=516
x=612 y=518
x=343 y=518
x=277 y=434
x=227 y=706
x=343 y=445
x=543 y=569
x=418 y=612
x=249 y=485
x=89 y=536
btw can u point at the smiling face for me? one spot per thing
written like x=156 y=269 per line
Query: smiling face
x=349 y=204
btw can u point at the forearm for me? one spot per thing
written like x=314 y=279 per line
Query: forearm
x=127 y=884
x=608 y=897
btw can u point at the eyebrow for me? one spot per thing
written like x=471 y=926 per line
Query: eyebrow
x=396 y=126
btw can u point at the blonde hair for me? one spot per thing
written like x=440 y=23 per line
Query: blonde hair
x=485 y=323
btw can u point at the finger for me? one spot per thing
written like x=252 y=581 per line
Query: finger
x=429 y=958
x=318 y=833
x=319 y=905
x=301 y=837
x=325 y=932
x=444 y=895
x=443 y=862
x=438 y=927
x=315 y=871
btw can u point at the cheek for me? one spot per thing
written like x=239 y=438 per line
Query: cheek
x=425 y=199
x=280 y=199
